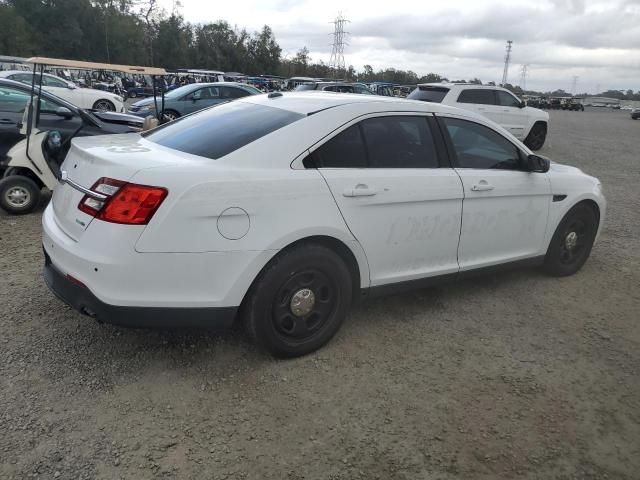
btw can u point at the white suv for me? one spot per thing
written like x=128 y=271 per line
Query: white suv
x=498 y=104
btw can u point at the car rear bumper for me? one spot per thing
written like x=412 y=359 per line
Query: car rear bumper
x=79 y=297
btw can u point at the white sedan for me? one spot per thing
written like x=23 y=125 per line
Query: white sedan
x=87 y=98
x=281 y=210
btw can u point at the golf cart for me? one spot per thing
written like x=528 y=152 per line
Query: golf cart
x=34 y=162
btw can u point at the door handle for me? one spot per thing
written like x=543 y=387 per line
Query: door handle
x=4 y=121
x=360 y=190
x=482 y=186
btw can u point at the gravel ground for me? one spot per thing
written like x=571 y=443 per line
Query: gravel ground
x=516 y=375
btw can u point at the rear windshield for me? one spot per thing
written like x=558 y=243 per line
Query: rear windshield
x=305 y=86
x=220 y=130
x=429 y=94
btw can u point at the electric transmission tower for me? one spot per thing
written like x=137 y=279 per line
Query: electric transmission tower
x=507 y=59
x=523 y=76
x=574 y=84
x=339 y=42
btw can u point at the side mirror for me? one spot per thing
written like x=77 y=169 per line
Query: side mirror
x=538 y=164
x=64 y=112
x=71 y=86
x=522 y=104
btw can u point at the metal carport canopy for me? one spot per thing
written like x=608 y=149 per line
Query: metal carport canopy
x=132 y=69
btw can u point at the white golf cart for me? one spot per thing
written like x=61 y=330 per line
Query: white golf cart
x=34 y=162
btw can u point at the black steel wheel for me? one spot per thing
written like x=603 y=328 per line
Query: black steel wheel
x=572 y=241
x=537 y=136
x=299 y=301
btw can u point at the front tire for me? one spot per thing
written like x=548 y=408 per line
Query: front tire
x=104 y=106
x=572 y=241
x=299 y=301
x=537 y=136
x=19 y=195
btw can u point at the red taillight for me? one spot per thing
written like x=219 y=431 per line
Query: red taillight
x=126 y=203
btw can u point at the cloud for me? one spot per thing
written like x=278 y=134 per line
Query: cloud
x=598 y=40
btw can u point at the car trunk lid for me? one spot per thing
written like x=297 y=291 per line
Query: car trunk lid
x=117 y=157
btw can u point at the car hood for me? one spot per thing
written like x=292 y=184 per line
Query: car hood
x=146 y=101
x=121 y=118
x=536 y=113
x=97 y=93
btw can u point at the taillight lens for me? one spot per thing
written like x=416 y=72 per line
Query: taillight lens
x=126 y=203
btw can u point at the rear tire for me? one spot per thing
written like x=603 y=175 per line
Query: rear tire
x=537 y=136
x=572 y=241
x=19 y=195
x=299 y=301
x=171 y=115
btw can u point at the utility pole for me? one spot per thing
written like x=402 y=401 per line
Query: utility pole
x=507 y=59
x=597 y=88
x=523 y=76
x=574 y=84
x=339 y=42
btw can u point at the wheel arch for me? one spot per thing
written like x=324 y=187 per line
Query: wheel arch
x=24 y=172
x=358 y=271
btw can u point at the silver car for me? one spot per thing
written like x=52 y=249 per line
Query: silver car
x=340 y=87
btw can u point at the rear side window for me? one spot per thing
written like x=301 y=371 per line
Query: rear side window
x=399 y=142
x=345 y=150
x=480 y=96
x=231 y=92
x=383 y=142
x=429 y=94
x=220 y=130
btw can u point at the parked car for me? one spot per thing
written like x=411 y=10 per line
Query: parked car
x=283 y=209
x=86 y=98
x=635 y=113
x=55 y=114
x=498 y=104
x=193 y=97
x=340 y=87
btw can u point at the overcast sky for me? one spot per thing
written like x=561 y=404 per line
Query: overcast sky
x=597 y=40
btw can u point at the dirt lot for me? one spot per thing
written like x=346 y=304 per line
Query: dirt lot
x=516 y=375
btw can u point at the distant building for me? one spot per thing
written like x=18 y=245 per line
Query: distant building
x=600 y=101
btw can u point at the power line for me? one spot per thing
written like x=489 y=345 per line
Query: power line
x=507 y=59
x=574 y=84
x=339 y=42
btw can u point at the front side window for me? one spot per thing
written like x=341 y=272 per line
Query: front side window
x=382 y=142
x=477 y=146
x=479 y=96
x=507 y=100
x=220 y=130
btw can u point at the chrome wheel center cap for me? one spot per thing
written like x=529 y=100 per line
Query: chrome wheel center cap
x=302 y=302
x=571 y=240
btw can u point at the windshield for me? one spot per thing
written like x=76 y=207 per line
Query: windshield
x=305 y=86
x=220 y=130
x=428 y=94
